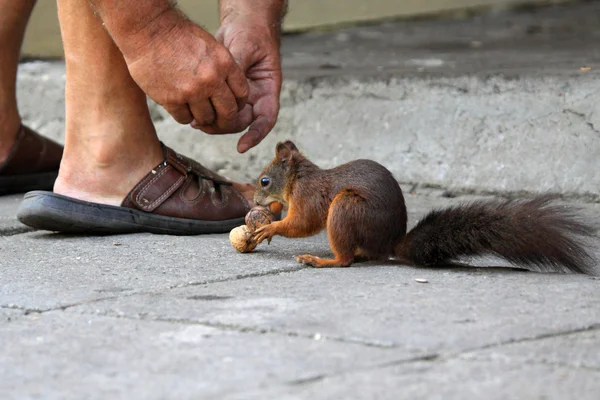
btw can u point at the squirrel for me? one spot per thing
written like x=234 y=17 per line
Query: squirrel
x=362 y=207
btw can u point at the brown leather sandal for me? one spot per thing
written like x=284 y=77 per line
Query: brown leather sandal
x=32 y=163
x=178 y=197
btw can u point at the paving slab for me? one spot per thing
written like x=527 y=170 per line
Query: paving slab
x=383 y=306
x=565 y=367
x=59 y=355
x=42 y=270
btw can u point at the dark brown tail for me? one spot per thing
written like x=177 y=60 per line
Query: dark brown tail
x=529 y=233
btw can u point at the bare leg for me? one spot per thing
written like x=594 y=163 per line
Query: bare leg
x=110 y=141
x=13 y=20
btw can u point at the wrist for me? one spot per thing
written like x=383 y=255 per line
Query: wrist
x=268 y=13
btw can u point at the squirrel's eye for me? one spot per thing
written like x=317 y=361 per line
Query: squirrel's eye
x=265 y=181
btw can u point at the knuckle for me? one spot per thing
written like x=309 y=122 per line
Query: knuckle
x=223 y=58
x=210 y=75
x=187 y=91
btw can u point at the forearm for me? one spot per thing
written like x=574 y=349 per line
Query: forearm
x=132 y=21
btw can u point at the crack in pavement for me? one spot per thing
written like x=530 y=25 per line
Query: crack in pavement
x=248 y=329
x=322 y=376
x=32 y=310
x=360 y=341
x=549 y=335
x=432 y=357
x=437 y=357
x=583 y=117
x=63 y=307
x=276 y=271
x=563 y=365
x=592 y=127
x=312 y=336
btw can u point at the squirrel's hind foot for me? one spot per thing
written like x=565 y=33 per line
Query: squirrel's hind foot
x=318 y=262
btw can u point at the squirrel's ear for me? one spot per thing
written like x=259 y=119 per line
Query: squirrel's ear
x=279 y=148
x=287 y=144
x=290 y=145
x=285 y=151
x=284 y=154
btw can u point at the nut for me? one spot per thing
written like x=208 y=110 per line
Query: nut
x=258 y=217
x=242 y=239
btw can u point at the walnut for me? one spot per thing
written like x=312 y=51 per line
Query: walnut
x=242 y=239
x=258 y=217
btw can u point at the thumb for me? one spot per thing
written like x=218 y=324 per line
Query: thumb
x=242 y=56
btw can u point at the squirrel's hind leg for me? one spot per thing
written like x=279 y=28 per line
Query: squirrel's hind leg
x=319 y=262
x=343 y=230
x=342 y=257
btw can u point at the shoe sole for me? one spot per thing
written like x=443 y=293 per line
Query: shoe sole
x=54 y=212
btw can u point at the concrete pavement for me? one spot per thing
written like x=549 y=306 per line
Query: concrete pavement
x=496 y=104
x=161 y=317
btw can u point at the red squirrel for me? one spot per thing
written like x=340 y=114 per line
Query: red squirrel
x=362 y=207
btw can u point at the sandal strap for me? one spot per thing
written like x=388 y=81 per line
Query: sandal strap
x=174 y=179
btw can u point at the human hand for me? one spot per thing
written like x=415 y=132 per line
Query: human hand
x=193 y=76
x=253 y=41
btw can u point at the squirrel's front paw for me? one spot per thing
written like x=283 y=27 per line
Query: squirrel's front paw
x=265 y=232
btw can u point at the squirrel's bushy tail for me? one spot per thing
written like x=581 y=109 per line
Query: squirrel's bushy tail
x=530 y=233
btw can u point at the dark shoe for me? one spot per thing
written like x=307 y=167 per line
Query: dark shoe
x=178 y=197
x=32 y=163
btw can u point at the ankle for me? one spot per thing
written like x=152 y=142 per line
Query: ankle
x=103 y=171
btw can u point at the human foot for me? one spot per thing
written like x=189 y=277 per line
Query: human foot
x=177 y=196
x=32 y=163
x=89 y=179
